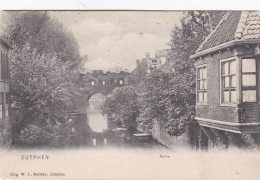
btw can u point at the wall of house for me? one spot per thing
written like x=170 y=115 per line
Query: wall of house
x=5 y=124
x=213 y=110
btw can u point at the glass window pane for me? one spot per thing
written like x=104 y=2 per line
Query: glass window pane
x=248 y=65
x=201 y=73
x=226 y=79
x=233 y=81
x=198 y=73
x=205 y=73
x=233 y=67
x=200 y=96
x=225 y=68
x=205 y=97
x=249 y=80
x=233 y=96
x=205 y=84
x=249 y=96
x=201 y=84
x=226 y=96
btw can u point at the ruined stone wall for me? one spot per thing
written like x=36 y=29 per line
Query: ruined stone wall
x=160 y=134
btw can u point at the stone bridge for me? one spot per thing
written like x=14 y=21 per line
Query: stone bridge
x=98 y=82
x=104 y=83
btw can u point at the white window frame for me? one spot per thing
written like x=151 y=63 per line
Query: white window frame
x=197 y=88
x=220 y=82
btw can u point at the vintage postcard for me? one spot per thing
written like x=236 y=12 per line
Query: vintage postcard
x=130 y=95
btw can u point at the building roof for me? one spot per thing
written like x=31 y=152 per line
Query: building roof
x=249 y=26
x=234 y=26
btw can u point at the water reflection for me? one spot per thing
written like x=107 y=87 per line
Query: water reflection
x=97 y=122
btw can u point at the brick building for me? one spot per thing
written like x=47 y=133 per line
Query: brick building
x=5 y=126
x=149 y=63
x=228 y=81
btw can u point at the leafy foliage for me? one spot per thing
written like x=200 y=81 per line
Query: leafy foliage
x=34 y=135
x=168 y=100
x=42 y=60
x=122 y=107
x=40 y=88
x=38 y=31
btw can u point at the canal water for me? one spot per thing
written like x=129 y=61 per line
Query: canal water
x=118 y=137
x=97 y=122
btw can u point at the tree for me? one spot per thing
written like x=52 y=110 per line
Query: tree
x=169 y=92
x=167 y=99
x=39 y=31
x=40 y=89
x=122 y=107
x=42 y=60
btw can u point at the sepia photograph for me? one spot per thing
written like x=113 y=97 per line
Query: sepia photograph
x=129 y=94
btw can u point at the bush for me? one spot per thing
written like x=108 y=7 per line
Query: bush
x=33 y=135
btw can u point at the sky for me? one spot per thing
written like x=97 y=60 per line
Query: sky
x=118 y=38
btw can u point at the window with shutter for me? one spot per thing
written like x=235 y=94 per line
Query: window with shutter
x=249 y=82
